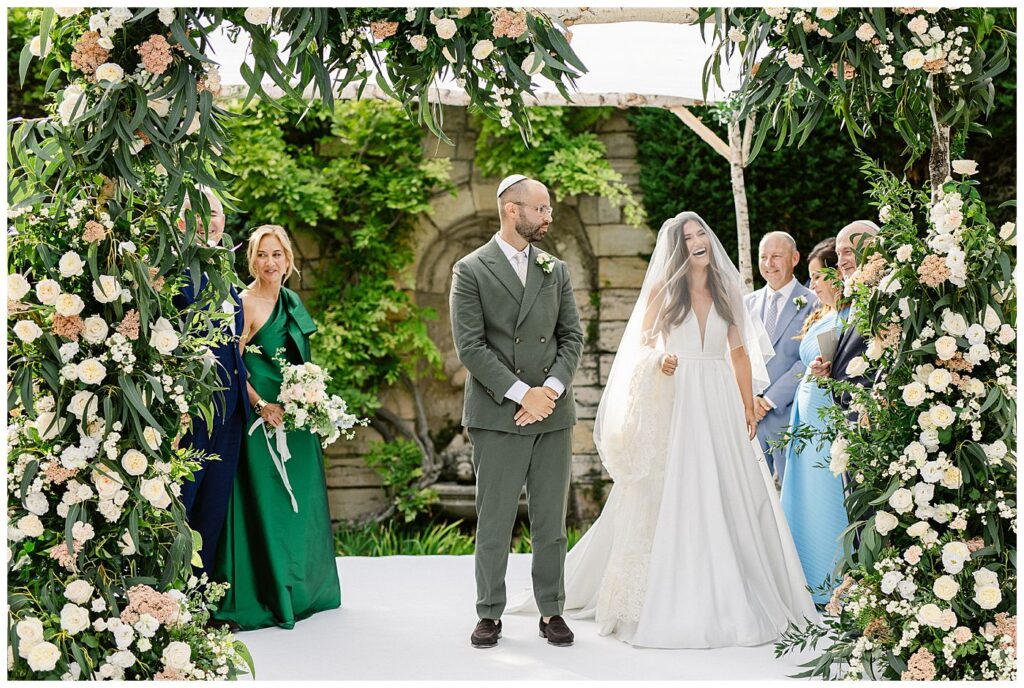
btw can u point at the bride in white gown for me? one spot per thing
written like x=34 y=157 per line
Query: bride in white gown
x=692 y=549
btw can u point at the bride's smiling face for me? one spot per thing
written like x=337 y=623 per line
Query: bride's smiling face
x=698 y=244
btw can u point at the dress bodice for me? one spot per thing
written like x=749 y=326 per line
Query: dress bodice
x=685 y=339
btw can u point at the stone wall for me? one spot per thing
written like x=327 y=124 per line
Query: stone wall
x=606 y=259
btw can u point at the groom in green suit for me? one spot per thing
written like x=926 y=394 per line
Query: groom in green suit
x=517 y=331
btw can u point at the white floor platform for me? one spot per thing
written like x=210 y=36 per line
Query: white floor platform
x=409 y=618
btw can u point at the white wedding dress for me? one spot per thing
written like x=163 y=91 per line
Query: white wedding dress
x=692 y=549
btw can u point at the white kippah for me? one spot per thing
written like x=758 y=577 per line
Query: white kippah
x=508 y=182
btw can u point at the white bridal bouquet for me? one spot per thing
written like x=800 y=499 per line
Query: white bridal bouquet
x=307 y=406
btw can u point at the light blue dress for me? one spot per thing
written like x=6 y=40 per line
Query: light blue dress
x=812 y=498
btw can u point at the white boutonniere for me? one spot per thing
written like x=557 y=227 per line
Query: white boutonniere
x=546 y=263
x=800 y=302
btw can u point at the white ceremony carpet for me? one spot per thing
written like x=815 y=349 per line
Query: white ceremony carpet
x=410 y=618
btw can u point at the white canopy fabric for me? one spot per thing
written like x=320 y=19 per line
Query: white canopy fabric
x=627 y=62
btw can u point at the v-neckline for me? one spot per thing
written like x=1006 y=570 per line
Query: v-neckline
x=702 y=331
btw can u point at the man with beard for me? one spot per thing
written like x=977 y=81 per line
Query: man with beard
x=517 y=331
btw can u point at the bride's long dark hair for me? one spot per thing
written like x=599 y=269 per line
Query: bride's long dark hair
x=678 y=300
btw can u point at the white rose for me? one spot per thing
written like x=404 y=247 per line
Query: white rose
x=30 y=526
x=533 y=64
x=110 y=71
x=913 y=59
x=929 y=615
x=83 y=532
x=827 y=13
x=69 y=304
x=27 y=331
x=81 y=401
x=916 y=452
x=913 y=394
x=945 y=347
x=419 y=42
x=152 y=437
x=91 y=371
x=78 y=591
x=945 y=588
x=1006 y=334
x=954 y=323
x=736 y=35
x=875 y=349
x=988 y=597
x=134 y=462
x=856 y=367
x=446 y=28
x=939 y=380
x=163 y=339
x=965 y=167
x=865 y=32
x=161 y=106
x=177 y=655
x=990 y=319
x=952 y=478
x=72 y=105
x=43 y=656
x=984 y=577
x=1008 y=233
x=975 y=386
x=954 y=554
x=95 y=329
x=904 y=253
x=923 y=493
x=17 y=286
x=122 y=659
x=147 y=625
x=107 y=290
x=997 y=450
x=30 y=631
x=48 y=425
x=36 y=503
x=885 y=522
x=47 y=291
x=948 y=620
x=66 y=12
x=73 y=618
x=918 y=25
x=260 y=16
x=918 y=529
x=890 y=580
x=977 y=354
x=482 y=49
x=795 y=60
x=932 y=472
x=902 y=500
x=155 y=492
x=166 y=15
x=975 y=334
x=839 y=456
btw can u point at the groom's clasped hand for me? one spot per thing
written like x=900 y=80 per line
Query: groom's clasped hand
x=537 y=405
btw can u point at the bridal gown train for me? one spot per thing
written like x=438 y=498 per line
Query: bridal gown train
x=692 y=549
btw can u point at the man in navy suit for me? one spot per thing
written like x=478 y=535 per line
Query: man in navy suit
x=781 y=305
x=206 y=497
x=854 y=237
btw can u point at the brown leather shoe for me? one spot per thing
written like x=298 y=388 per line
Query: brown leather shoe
x=556 y=631
x=486 y=633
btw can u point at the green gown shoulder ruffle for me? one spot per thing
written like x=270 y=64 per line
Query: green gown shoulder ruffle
x=280 y=563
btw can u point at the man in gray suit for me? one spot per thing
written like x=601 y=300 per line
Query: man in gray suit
x=518 y=333
x=782 y=305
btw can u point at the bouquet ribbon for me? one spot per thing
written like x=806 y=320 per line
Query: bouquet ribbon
x=280 y=457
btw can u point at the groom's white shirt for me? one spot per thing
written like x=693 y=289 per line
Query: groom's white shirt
x=519 y=388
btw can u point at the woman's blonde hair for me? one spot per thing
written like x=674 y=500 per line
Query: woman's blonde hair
x=279 y=233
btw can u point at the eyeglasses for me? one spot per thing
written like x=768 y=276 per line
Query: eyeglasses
x=542 y=209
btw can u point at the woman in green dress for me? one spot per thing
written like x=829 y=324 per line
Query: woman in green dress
x=277 y=549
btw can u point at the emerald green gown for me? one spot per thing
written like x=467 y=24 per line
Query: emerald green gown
x=280 y=564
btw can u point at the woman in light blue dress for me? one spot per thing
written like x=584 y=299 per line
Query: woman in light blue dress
x=812 y=498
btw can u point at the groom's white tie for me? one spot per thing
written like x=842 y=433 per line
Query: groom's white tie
x=772 y=315
x=520 y=262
